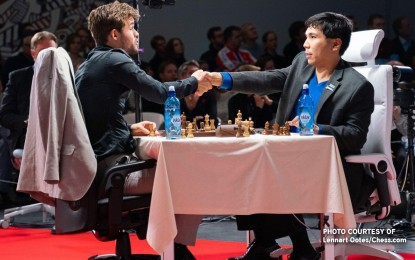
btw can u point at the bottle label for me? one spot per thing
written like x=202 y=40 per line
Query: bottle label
x=305 y=117
x=176 y=120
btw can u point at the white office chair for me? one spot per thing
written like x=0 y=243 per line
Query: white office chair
x=376 y=152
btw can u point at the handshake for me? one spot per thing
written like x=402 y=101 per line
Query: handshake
x=206 y=80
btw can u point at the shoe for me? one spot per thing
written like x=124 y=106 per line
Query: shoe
x=257 y=252
x=181 y=252
x=294 y=256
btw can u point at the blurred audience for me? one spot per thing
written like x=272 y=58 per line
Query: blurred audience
x=74 y=49
x=175 y=51
x=249 y=39
x=215 y=37
x=231 y=55
x=194 y=106
x=270 y=41
x=297 y=36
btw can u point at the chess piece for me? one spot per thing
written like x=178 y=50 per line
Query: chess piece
x=183 y=120
x=287 y=128
x=239 y=131
x=229 y=122
x=238 y=117
x=275 y=129
x=246 y=128
x=202 y=127
x=151 y=128
x=207 y=126
x=212 y=124
x=251 y=126
x=190 y=131
x=266 y=128
x=194 y=123
x=183 y=133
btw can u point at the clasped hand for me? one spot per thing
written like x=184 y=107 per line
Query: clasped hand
x=206 y=80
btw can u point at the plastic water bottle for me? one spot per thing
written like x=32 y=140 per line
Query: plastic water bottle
x=172 y=119
x=306 y=112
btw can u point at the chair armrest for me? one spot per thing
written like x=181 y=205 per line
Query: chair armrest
x=380 y=161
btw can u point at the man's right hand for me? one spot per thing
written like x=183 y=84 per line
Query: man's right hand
x=203 y=80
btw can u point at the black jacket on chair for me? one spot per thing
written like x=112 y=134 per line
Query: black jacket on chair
x=14 y=109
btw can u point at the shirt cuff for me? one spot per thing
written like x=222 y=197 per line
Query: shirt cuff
x=227 y=82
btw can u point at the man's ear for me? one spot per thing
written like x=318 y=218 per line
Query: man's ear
x=337 y=43
x=114 y=34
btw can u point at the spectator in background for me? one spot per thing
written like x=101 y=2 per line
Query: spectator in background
x=74 y=49
x=194 y=106
x=270 y=41
x=249 y=39
x=21 y=60
x=215 y=37
x=403 y=46
x=258 y=108
x=87 y=42
x=167 y=72
x=14 y=109
x=297 y=35
x=377 y=22
x=354 y=22
x=158 y=44
x=231 y=55
x=175 y=51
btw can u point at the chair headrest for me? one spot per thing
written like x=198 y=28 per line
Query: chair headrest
x=364 y=46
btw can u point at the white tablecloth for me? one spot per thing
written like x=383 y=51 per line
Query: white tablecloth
x=256 y=174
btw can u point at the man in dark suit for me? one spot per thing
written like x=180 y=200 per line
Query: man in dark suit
x=344 y=102
x=14 y=109
x=403 y=47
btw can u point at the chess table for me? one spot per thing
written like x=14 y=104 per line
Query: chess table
x=256 y=174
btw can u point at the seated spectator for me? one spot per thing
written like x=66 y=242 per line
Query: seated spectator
x=231 y=55
x=158 y=44
x=175 y=51
x=258 y=108
x=249 y=39
x=167 y=72
x=74 y=49
x=215 y=37
x=403 y=46
x=194 y=106
x=297 y=35
x=377 y=22
x=270 y=41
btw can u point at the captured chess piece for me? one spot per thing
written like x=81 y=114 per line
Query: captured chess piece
x=190 y=131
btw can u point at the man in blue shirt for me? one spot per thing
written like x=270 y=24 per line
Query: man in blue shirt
x=345 y=102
